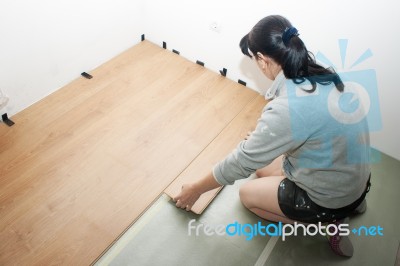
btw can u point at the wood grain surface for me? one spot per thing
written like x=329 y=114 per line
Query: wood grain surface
x=221 y=146
x=84 y=163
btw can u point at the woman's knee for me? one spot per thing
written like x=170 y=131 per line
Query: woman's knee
x=264 y=172
x=260 y=173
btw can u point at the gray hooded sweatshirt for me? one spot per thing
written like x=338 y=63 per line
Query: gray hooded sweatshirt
x=326 y=150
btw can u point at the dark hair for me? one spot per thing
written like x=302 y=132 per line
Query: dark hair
x=292 y=55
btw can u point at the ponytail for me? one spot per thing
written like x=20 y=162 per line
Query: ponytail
x=275 y=37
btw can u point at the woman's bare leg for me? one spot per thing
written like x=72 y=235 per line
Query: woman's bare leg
x=261 y=197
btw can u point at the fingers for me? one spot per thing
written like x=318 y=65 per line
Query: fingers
x=186 y=198
x=175 y=199
x=181 y=205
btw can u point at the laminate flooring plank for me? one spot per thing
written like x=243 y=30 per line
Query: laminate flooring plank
x=83 y=163
x=51 y=108
x=221 y=146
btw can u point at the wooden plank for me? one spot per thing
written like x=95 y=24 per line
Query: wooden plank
x=224 y=143
x=82 y=164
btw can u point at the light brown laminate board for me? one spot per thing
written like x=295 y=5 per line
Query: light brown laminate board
x=84 y=163
x=221 y=146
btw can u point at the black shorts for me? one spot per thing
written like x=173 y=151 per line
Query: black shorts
x=297 y=205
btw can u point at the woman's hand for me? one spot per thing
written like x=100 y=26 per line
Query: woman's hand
x=188 y=197
x=191 y=192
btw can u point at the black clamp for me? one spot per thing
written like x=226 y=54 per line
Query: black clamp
x=241 y=82
x=7 y=120
x=223 y=72
x=199 y=63
x=86 y=75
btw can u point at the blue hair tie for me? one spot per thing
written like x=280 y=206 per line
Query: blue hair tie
x=288 y=34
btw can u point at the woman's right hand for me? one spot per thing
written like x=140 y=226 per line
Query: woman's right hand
x=190 y=193
x=188 y=197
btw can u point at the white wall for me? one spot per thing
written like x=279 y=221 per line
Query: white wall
x=184 y=25
x=45 y=44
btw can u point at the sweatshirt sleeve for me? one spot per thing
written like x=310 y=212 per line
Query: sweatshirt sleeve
x=271 y=138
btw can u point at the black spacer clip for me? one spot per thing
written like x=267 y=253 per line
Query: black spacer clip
x=86 y=75
x=223 y=72
x=199 y=63
x=7 y=120
x=241 y=82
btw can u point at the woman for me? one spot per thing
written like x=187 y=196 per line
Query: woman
x=307 y=170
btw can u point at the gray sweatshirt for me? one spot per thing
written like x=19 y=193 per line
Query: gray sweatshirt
x=326 y=151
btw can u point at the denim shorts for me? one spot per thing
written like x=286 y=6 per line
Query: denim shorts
x=297 y=205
